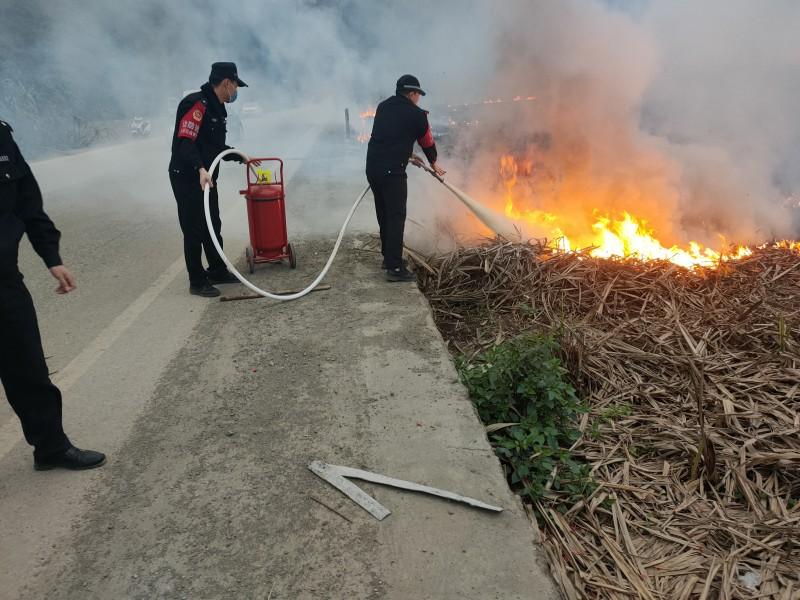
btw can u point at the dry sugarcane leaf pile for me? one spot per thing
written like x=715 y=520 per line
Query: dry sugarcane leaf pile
x=693 y=383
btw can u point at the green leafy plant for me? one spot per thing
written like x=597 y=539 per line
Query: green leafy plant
x=616 y=411
x=521 y=385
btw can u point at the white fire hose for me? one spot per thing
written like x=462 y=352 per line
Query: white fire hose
x=492 y=220
x=235 y=271
x=497 y=223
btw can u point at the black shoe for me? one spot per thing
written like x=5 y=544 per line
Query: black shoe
x=383 y=264
x=206 y=290
x=401 y=274
x=221 y=277
x=74 y=459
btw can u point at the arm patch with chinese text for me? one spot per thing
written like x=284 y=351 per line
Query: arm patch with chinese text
x=189 y=126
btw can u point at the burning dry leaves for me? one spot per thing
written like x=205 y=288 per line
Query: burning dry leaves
x=693 y=380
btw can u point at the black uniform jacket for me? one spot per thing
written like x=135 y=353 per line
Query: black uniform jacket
x=398 y=124
x=199 y=135
x=21 y=210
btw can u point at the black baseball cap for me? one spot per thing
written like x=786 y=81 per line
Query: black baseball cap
x=225 y=70
x=408 y=83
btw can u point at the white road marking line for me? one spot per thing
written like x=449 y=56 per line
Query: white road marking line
x=11 y=432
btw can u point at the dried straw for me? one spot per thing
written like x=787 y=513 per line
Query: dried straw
x=692 y=378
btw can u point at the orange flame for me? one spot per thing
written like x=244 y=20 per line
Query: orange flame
x=364 y=131
x=621 y=236
x=629 y=236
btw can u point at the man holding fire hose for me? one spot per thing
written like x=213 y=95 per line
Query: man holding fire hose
x=23 y=369
x=199 y=135
x=399 y=122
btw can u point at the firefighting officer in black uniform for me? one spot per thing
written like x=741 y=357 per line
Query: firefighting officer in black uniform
x=200 y=127
x=23 y=370
x=399 y=122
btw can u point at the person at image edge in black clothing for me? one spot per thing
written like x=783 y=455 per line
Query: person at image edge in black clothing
x=199 y=136
x=23 y=369
x=398 y=123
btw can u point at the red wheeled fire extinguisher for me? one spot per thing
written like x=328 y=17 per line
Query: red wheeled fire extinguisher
x=266 y=213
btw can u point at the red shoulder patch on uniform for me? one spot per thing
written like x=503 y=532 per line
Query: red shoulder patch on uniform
x=189 y=125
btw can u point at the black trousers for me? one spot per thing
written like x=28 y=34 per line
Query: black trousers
x=24 y=374
x=196 y=238
x=391 y=195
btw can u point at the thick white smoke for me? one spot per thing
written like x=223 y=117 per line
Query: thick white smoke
x=681 y=115
x=678 y=111
x=724 y=98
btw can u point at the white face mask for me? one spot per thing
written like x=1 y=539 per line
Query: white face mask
x=232 y=97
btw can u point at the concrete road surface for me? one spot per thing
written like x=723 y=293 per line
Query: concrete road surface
x=210 y=411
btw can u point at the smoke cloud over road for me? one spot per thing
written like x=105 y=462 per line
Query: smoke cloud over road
x=678 y=112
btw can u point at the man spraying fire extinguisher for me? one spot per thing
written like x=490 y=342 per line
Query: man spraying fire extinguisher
x=399 y=122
